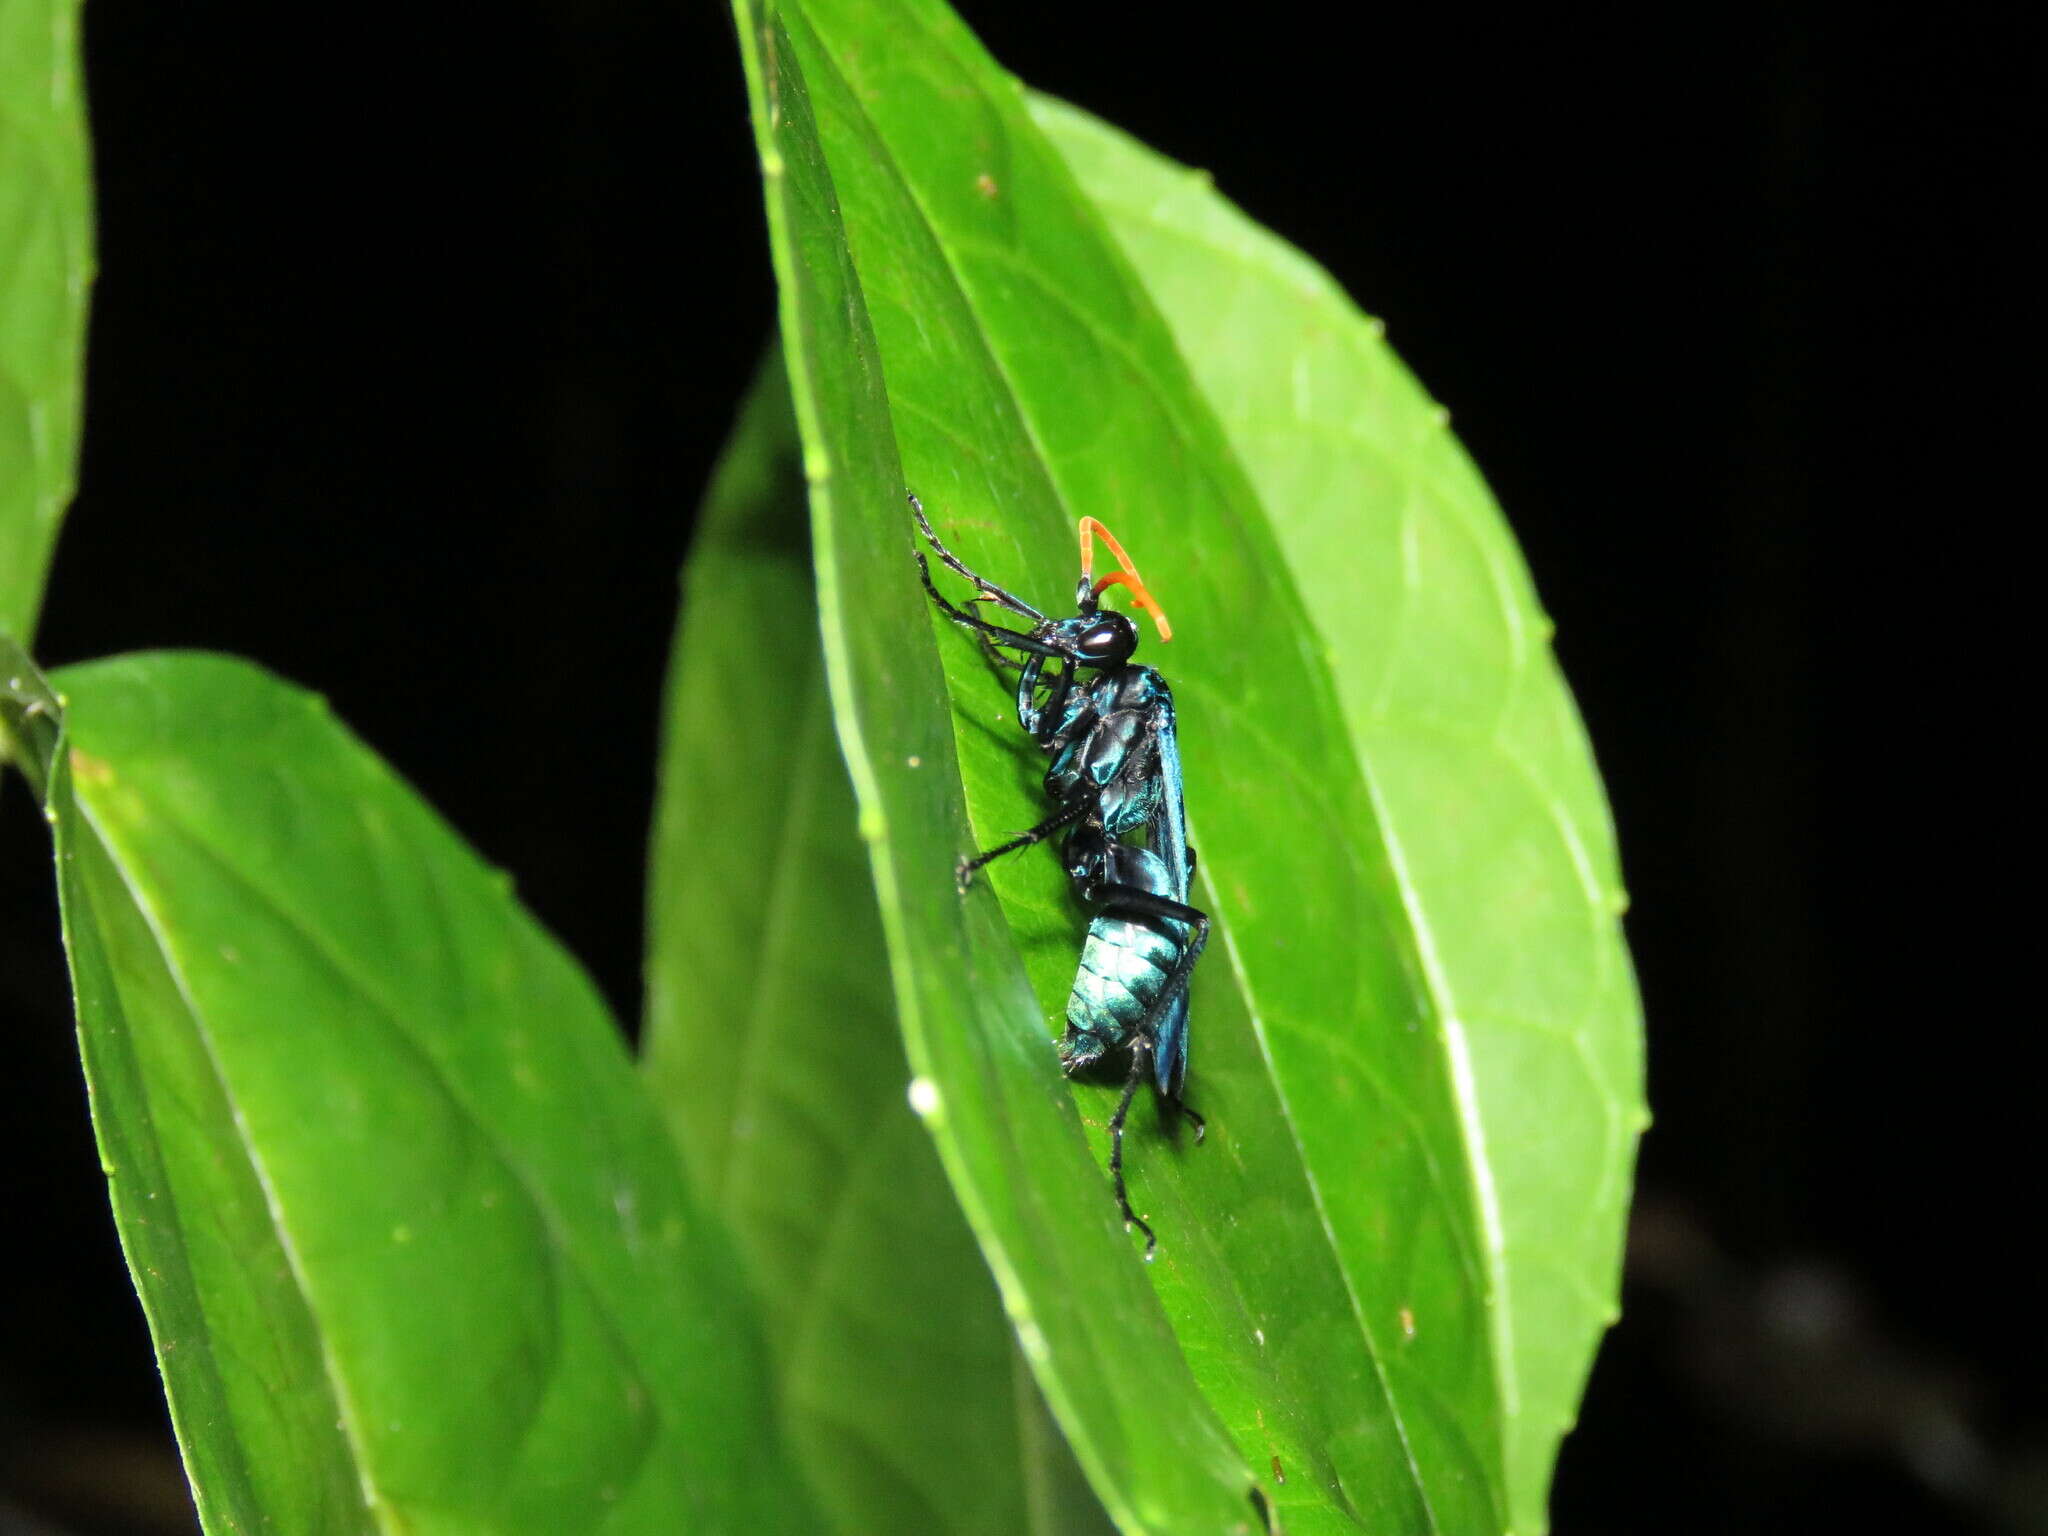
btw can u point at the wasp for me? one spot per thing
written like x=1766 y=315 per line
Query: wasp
x=1107 y=724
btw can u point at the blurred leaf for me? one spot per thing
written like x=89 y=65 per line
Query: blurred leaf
x=1488 y=798
x=413 y=1245
x=771 y=1041
x=46 y=267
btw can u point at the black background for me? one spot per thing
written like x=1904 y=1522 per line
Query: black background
x=412 y=347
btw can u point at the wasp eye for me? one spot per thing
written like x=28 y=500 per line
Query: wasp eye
x=1110 y=639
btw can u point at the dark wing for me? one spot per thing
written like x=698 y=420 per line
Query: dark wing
x=1167 y=827
x=1170 y=1059
x=1167 y=835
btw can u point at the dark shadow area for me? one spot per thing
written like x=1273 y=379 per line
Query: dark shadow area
x=413 y=348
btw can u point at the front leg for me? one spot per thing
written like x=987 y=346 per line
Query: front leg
x=993 y=655
x=985 y=590
x=991 y=634
x=1030 y=713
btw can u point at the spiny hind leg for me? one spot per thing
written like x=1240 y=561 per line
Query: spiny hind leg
x=1141 y=1056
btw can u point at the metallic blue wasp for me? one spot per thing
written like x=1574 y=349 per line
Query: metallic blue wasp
x=1115 y=772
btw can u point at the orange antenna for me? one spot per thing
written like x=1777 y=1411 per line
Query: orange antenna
x=1127 y=577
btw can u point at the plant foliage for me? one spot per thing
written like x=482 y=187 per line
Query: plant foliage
x=421 y=1251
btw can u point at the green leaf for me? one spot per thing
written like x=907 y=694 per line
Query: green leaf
x=771 y=1041
x=46 y=267
x=1004 y=1123
x=1323 y=1261
x=413 y=1244
x=1488 y=799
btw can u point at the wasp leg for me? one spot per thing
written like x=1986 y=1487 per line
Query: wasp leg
x=1072 y=811
x=982 y=585
x=1031 y=714
x=995 y=633
x=1141 y=1053
x=993 y=654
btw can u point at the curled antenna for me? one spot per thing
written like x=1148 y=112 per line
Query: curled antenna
x=1127 y=577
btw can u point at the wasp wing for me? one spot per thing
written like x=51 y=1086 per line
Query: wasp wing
x=1167 y=836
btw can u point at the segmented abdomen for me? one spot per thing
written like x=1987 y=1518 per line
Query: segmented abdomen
x=1124 y=966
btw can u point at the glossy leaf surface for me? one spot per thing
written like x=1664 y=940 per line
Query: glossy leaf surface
x=46 y=266
x=413 y=1244
x=771 y=1041
x=1002 y=1119
x=1322 y=1263
x=1488 y=799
